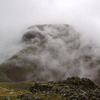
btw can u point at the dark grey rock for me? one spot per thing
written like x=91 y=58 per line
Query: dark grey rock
x=7 y=98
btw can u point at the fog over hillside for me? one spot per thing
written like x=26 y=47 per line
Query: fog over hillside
x=17 y=15
x=52 y=52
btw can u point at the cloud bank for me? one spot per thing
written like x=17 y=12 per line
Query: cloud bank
x=16 y=15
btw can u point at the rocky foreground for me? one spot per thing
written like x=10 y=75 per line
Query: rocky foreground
x=71 y=89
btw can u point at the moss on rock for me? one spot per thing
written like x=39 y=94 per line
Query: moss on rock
x=73 y=88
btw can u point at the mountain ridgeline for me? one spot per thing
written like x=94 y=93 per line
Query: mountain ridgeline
x=52 y=53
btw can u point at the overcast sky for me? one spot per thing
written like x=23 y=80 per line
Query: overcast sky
x=16 y=15
x=24 y=12
x=82 y=14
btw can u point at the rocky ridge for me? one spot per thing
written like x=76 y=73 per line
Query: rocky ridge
x=73 y=88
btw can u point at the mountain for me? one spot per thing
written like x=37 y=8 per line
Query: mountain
x=52 y=52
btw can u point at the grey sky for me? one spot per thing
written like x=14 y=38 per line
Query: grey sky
x=43 y=11
x=20 y=12
x=28 y=12
x=16 y=15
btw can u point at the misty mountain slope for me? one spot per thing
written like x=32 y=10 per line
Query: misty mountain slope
x=52 y=52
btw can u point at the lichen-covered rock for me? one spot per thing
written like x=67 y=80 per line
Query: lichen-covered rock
x=40 y=87
x=73 y=88
x=23 y=97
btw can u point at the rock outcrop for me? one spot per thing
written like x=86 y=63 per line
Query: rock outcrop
x=73 y=88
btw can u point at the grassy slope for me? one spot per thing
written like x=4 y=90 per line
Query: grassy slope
x=16 y=88
x=13 y=89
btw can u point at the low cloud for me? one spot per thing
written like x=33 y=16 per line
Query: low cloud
x=16 y=15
